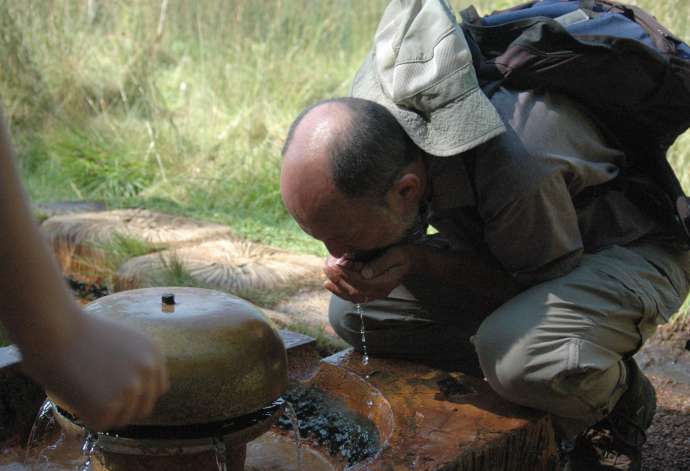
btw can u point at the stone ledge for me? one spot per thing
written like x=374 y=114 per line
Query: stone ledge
x=79 y=240
x=440 y=420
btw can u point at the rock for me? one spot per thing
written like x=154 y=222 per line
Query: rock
x=309 y=306
x=249 y=270
x=47 y=210
x=81 y=242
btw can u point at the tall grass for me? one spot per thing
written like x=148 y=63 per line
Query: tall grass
x=183 y=106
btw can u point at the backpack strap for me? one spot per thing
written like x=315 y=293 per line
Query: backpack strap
x=470 y=15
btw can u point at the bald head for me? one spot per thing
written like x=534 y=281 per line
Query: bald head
x=347 y=160
x=362 y=146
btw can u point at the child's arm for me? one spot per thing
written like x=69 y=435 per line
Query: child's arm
x=108 y=373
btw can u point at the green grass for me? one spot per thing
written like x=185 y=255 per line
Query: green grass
x=117 y=250
x=185 y=109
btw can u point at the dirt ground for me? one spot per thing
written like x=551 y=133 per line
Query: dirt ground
x=666 y=361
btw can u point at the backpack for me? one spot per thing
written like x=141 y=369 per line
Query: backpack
x=629 y=71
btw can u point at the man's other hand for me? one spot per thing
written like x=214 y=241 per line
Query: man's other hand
x=361 y=282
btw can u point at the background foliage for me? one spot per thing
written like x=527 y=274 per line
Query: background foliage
x=183 y=106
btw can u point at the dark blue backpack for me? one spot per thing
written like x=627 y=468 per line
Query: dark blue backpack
x=629 y=71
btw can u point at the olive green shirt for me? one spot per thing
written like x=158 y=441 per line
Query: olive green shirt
x=519 y=202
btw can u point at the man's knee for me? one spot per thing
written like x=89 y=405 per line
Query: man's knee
x=568 y=377
x=339 y=315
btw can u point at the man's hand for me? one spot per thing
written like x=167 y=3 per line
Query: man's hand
x=361 y=282
x=108 y=373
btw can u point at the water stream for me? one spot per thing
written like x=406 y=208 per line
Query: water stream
x=221 y=454
x=40 y=432
x=292 y=415
x=87 y=448
x=49 y=448
x=365 y=355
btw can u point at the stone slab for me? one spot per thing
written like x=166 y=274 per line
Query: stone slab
x=80 y=240
x=435 y=420
x=302 y=357
x=68 y=207
x=308 y=305
x=243 y=268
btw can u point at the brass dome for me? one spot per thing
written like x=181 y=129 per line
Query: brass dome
x=224 y=359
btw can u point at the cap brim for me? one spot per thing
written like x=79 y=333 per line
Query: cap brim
x=456 y=127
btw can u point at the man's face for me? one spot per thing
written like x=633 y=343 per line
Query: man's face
x=349 y=227
x=357 y=228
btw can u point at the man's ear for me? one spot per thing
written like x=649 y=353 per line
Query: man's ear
x=408 y=186
x=405 y=192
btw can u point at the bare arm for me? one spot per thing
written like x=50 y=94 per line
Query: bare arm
x=107 y=372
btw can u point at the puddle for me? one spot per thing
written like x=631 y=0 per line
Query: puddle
x=270 y=452
x=328 y=423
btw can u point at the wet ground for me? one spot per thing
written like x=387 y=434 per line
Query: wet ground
x=666 y=361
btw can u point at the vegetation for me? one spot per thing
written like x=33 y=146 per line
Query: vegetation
x=183 y=106
x=116 y=251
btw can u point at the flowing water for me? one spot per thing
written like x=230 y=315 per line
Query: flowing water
x=87 y=448
x=292 y=416
x=221 y=454
x=51 y=449
x=365 y=355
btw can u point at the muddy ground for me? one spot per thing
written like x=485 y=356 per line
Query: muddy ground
x=666 y=361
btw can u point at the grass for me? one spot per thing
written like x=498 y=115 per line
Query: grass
x=183 y=106
x=117 y=250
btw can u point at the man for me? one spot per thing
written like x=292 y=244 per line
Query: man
x=554 y=290
x=108 y=373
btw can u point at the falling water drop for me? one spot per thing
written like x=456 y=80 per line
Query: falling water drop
x=365 y=354
x=221 y=454
x=87 y=448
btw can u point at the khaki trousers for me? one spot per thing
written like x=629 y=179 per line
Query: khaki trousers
x=557 y=347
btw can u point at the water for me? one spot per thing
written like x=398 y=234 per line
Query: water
x=87 y=448
x=221 y=454
x=41 y=429
x=328 y=423
x=292 y=415
x=365 y=354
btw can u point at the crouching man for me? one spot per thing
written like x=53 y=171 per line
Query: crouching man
x=549 y=293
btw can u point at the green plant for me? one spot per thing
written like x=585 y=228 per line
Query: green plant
x=116 y=250
x=184 y=106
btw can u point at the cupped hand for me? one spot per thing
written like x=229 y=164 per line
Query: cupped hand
x=361 y=282
x=109 y=374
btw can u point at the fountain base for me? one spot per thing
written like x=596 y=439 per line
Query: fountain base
x=219 y=445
